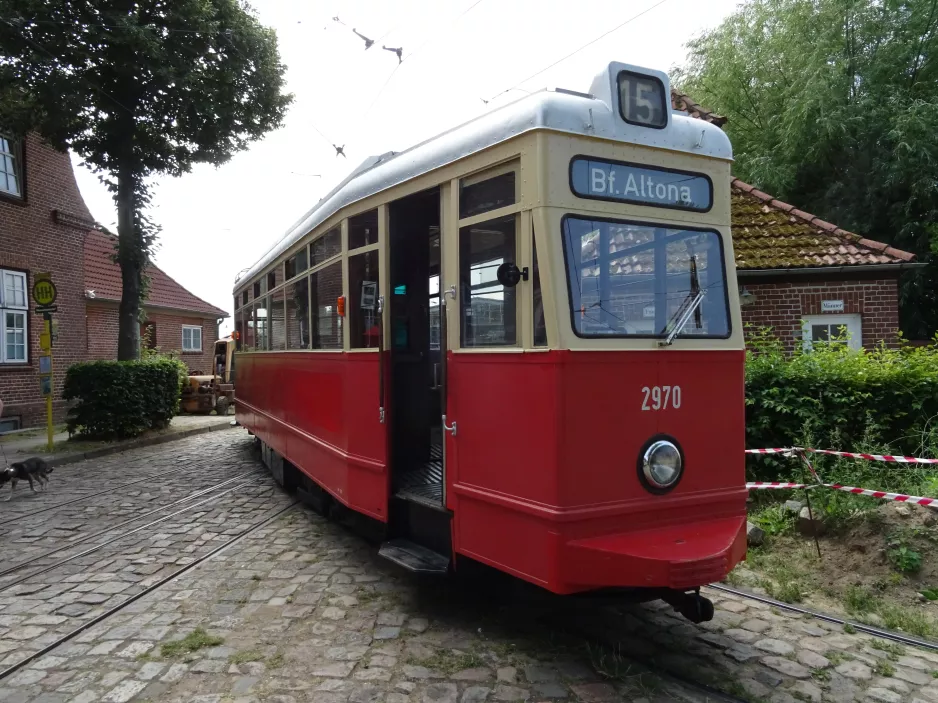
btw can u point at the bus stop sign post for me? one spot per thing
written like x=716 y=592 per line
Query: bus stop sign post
x=44 y=295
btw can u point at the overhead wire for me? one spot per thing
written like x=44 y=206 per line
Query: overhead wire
x=577 y=51
x=411 y=55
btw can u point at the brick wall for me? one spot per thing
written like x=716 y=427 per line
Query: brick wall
x=782 y=306
x=32 y=240
x=102 y=334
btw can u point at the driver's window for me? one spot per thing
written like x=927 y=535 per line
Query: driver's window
x=487 y=309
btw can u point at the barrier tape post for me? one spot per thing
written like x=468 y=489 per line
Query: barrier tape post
x=807 y=498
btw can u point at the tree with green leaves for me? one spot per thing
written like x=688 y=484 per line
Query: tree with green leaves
x=833 y=105
x=139 y=88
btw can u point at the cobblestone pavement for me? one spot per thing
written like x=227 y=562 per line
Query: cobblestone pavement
x=303 y=610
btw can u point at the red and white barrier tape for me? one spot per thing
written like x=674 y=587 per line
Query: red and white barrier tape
x=884 y=495
x=850 y=455
x=918 y=500
x=777 y=484
x=875 y=457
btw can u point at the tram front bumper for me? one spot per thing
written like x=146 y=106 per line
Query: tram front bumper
x=678 y=556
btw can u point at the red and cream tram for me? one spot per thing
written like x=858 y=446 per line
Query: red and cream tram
x=519 y=343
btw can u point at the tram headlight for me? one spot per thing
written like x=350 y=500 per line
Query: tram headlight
x=661 y=465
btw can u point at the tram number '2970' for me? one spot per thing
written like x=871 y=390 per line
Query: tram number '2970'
x=661 y=397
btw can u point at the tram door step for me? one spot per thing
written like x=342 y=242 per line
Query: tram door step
x=414 y=557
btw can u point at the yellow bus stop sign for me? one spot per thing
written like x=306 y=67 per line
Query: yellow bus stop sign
x=44 y=290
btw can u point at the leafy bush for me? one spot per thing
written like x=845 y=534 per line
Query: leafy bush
x=882 y=400
x=905 y=559
x=119 y=399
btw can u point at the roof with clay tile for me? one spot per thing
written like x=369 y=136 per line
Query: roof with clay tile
x=771 y=234
x=684 y=103
x=103 y=276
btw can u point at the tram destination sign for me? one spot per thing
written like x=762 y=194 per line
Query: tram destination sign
x=642 y=185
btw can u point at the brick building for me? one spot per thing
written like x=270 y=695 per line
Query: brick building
x=45 y=227
x=804 y=277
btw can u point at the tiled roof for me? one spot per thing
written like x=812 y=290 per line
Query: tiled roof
x=770 y=234
x=103 y=276
x=684 y=103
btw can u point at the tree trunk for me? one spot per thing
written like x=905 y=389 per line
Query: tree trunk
x=130 y=259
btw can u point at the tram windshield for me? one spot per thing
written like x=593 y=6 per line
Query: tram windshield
x=631 y=279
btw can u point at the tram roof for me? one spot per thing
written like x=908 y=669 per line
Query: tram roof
x=593 y=114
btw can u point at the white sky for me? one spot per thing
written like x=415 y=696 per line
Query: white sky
x=217 y=222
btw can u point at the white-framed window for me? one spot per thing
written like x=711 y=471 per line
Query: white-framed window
x=191 y=338
x=14 y=313
x=10 y=179
x=826 y=328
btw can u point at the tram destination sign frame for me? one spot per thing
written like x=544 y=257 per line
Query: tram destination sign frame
x=640 y=184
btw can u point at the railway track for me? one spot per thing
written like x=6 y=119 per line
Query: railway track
x=897 y=637
x=124 y=535
x=221 y=509
x=62 y=639
x=94 y=494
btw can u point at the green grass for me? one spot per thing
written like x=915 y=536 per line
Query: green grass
x=774 y=519
x=911 y=620
x=891 y=648
x=859 y=600
x=884 y=668
x=243 y=657
x=448 y=662
x=275 y=662
x=193 y=642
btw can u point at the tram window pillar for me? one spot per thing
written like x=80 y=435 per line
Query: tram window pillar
x=661 y=280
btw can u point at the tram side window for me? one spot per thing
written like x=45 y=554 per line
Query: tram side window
x=363 y=304
x=278 y=321
x=540 y=326
x=488 y=310
x=635 y=280
x=247 y=323
x=260 y=325
x=298 y=314
x=327 y=246
x=478 y=194
x=295 y=265
x=325 y=290
x=363 y=230
x=239 y=331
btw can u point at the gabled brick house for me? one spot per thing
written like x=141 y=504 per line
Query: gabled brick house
x=804 y=277
x=45 y=227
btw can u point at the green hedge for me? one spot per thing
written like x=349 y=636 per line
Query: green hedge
x=118 y=399
x=881 y=400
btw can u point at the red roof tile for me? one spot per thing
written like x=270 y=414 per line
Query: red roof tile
x=684 y=103
x=103 y=276
x=770 y=234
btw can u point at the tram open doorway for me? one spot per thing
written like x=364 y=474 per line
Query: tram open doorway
x=418 y=520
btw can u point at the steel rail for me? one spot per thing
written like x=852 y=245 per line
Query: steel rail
x=85 y=538
x=93 y=495
x=120 y=606
x=712 y=693
x=91 y=550
x=860 y=627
